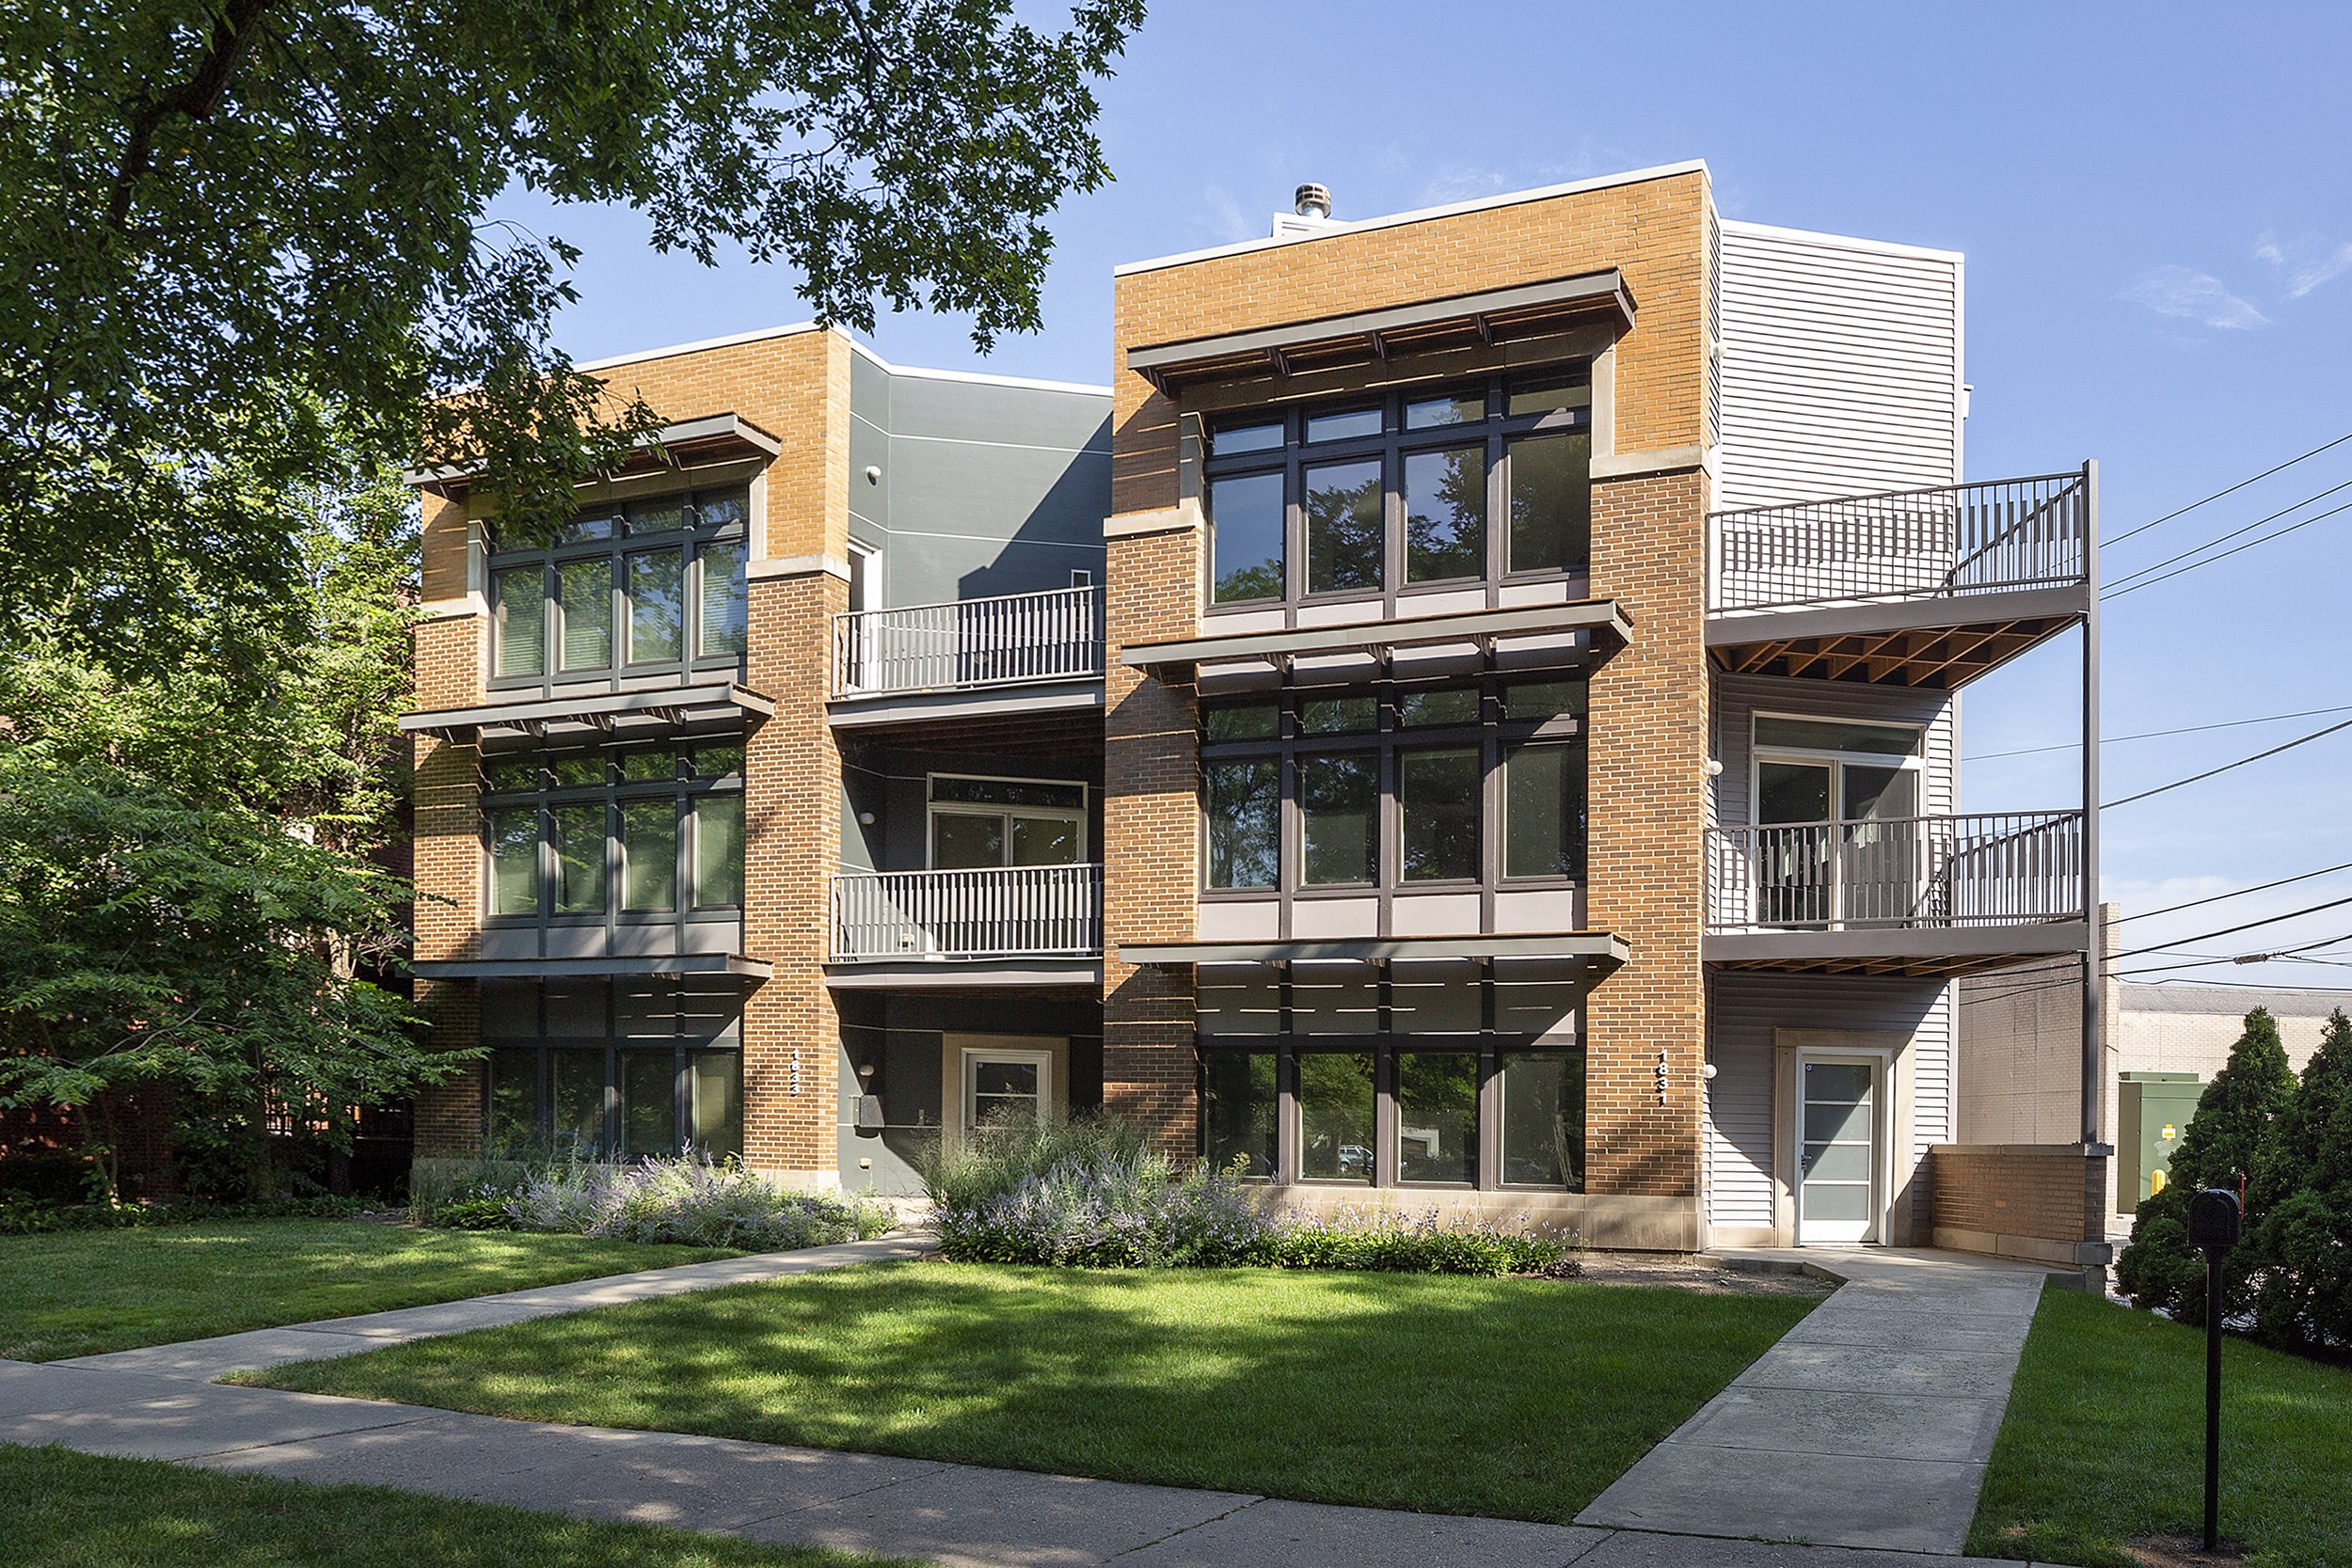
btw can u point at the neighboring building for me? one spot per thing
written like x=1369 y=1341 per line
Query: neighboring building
x=1467 y=717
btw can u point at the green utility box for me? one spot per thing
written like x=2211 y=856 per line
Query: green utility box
x=2153 y=1112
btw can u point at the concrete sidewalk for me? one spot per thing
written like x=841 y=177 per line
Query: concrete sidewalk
x=1868 y=1426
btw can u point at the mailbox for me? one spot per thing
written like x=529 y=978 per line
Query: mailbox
x=2213 y=1216
x=869 y=1112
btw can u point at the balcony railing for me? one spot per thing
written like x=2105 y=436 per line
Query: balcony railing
x=1012 y=911
x=1950 y=542
x=2001 y=868
x=1056 y=635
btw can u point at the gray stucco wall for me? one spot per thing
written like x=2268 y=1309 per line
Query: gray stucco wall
x=984 y=487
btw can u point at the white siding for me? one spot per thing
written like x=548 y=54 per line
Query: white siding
x=1840 y=366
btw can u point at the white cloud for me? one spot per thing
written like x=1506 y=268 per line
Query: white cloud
x=2306 y=262
x=1222 y=219
x=2185 y=293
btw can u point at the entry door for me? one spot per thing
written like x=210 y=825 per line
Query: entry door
x=1838 y=1196
x=1006 y=1086
x=1859 y=864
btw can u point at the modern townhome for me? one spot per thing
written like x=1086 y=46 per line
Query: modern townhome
x=1467 y=717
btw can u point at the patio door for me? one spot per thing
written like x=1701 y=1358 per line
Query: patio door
x=1840 y=1111
x=1837 y=806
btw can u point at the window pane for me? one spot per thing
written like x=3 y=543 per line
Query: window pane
x=1045 y=841
x=649 y=767
x=718 y=852
x=648 y=1102
x=966 y=841
x=1338 y=805
x=1004 y=1094
x=1551 y=502
x=1237 y=1111
x=1339 y=715
x=578 y=859
x=649 y=855
x=1445 y=515
x=719 y=762
x=722 y=511
x=1543 y=810
x=521 y=641
x=1540 y=699
x=1340 y=424
x=514 y=860
x=514 y=1101
x=723 y=607
x=1244 y=802
x=657 y=604
x=1792 y=791
x=577 y=1081
x=586 y=590
x=1552 y=392
x=1824 y=735
x=716 y=1124
x=580 y=770
x=1245 y=722
x=1418 y=708
x=1543 y=1119
x=667 y=516
x=1227 y=439
x=507 y=775
x=1335 y=1116
x=1437 y=796
x=1006 y=792
x=1451 y=409
x=1245 y=534
x=1437 y=1116
x=1345 y=507
x=581 y=530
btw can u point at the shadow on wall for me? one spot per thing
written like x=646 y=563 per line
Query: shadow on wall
x=1039 y=554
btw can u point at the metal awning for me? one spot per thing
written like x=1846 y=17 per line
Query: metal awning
x=1604 y=619
x=684 y=443
x=1603 y=950
x=576 y=969
x=596 y=713
x=1368 y=337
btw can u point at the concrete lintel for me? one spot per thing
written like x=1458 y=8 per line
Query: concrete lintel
x=798 y=566
x=1666 y=460
x=916 y=707
x=1183 y=518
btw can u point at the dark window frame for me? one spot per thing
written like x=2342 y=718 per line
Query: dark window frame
x=1294 y=454
x=685 y=1049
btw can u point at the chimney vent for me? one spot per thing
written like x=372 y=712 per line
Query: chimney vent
x=1313 y=200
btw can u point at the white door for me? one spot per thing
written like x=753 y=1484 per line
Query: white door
x=1004 y=1087
x=1839 y=1197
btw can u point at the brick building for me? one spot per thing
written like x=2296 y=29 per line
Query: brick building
x=1467 y=716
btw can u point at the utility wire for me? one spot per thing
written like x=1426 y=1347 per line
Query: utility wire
x=2177 y=571
x=2194 y=778
x=2231 y=491
x=2215 y=899
x=2233 y=930
x=2243 y=957
x=2157 y=734
x=2199 y=549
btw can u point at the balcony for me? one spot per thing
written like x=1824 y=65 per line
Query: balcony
x=1900 y=896
x=1925 y=588
x=1018 y=924
x=1014 y=653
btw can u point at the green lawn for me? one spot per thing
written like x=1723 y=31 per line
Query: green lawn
x=72 y=1510
x=84 y=1291
x=2105 y=1441
x=1519 y=1398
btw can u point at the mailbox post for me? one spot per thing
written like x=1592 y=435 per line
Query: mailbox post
x=2213 y=1217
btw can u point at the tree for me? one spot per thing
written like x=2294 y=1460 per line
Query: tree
x=2303 y=1188
x=225 y=216
x=2218 y=1149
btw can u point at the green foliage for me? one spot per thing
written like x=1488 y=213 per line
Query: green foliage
x=35 y=1219
x=2302 y=1190
x=2218 y=1148
x=474 y=1214
x=992 y=1159
x=690 y=1201
x=226 y=218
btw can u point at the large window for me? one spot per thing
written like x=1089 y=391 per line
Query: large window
x=1485 y=480
x=598 y=1069
x=635 y=834
x=636 y=589
x=981 y=822
x=1403 y=786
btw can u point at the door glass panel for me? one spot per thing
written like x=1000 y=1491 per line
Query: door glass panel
x=1445 y=515
x=1003 y=1092
x=1837 y=1081
x=1829 y=1119
x=1837 y=1201
x=1837 y=1162
x=648 y=1102
x=1437 y=1116
x=1045 y=841
x=962 y=841
x=585 y=588
x=1245 y=534
x=1339 y=801
x=1793 y=792
x=657 y=604
x=1345 y=508
x=1335 y=1116
x=649 y=855
x=1881 y=792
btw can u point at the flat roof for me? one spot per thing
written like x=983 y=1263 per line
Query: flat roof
x=793 y=329
x=2229 y=1000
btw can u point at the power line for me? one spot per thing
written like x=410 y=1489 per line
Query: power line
x=2177 y=571
x=2199 y=549
x=2194 y=778
x=2231 y=491
x=2248 y=985
x=2233 y=930
x=2157 y=734
x=2237 y=893
x=2242 y=959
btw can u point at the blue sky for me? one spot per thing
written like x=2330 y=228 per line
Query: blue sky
x=2156 y=209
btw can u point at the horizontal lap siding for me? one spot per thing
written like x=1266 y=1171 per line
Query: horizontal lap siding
x=1840 y=367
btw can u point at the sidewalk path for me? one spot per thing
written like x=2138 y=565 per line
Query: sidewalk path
x=1868 y=1426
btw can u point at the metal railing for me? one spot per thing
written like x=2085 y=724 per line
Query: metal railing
x=1054 y=635
x=1949 y=541
x=997 y=912
x=1995 y=868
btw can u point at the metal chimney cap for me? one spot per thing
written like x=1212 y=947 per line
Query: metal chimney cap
x=1313 y=200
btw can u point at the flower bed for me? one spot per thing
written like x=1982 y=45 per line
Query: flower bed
x=687 y=1202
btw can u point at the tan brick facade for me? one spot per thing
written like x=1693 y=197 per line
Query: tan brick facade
x=2042 y=1201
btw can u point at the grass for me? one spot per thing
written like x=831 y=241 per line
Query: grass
x=2104 y=1443
x=73 y=1511
x=1515 y=1398
x=86 y=1292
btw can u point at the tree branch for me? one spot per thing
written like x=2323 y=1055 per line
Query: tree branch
x=233 y=32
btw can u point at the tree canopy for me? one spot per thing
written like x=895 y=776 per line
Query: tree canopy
x=228 y=215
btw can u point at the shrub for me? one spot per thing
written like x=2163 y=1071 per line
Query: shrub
x=474 y=1214
x=689 y=1201
x=17 y=1219
x=2302 y=1190
x=994 y=1160
x=1419 y=1244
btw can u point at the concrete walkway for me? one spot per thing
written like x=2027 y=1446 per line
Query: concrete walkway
x=1868 y=1426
